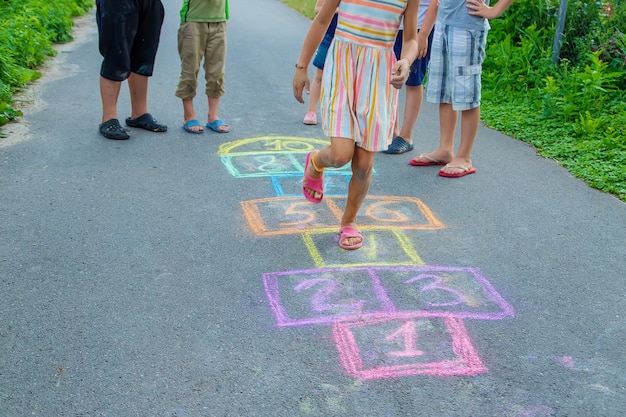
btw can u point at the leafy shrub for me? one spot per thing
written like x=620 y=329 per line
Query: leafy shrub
x=574 y=111
x=28 y=30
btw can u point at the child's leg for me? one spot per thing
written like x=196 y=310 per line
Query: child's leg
x=214 y=68
x=109 y=93
x=470 y=119
x=189 y=113
x=190 y=49
x=447 y=127
x=310 y=118
x=362 y=163
x=316 y=87
x=337 y=154
x=470 y=56
x=214 y=109
x=138 y=87
x=412 y=107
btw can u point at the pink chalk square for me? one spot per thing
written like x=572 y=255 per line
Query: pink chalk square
x=394 y=346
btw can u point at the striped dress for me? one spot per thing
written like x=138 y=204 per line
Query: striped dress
x=357 y=99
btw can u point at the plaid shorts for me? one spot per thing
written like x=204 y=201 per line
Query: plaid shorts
x=455 y=68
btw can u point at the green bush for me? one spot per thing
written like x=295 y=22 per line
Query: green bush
x=574 y=111
x=28 y=30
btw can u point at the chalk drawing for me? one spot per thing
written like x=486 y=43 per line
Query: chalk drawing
x=335 y=184
x=284 y=144
x=408 y=334
x=374 y=291
x=566 y=361
x=391 y=314
x=277 y=215
x=270 y=156
x=369 y=349
x=383 y=248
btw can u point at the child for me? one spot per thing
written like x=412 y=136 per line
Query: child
x=359 y=93
x=457 y=55
x=202 y=28
x=414 y=93
x=128 y=34
x=310 y=118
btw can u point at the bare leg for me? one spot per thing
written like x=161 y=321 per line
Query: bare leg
x=109 y=93
x=336 y=155
x=214 y=108
x=470 y=119
x=362 y=163
x=412 y=107
x=189 y=113
x=138 y=86
x=447 y=126
x=316 y=88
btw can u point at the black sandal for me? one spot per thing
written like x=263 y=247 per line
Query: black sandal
x=112 y=129
x=146 y=122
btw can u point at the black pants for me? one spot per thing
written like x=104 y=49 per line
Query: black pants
x=129 y=33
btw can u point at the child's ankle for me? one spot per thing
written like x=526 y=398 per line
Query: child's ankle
x=315 y=167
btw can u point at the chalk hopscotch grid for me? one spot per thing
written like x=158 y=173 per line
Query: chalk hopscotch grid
x=377 y=301
x=281 y=159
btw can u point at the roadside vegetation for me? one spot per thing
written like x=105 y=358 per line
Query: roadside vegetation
x=574 y=110
x=28 y=31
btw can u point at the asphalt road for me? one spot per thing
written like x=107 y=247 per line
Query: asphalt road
x=184 y=275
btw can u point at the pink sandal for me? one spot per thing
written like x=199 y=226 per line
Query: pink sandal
x=348 y=232
x=314 y=184
x=310 y=118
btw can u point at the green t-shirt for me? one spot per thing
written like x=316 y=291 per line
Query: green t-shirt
x=204 y=11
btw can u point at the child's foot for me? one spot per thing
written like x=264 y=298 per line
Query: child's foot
x=457 y=168
x=433 y=158
x=310 y=118
x=193 y=126
x=350 y=237
x=313 y=183
x=218 y=126
x=399 y=145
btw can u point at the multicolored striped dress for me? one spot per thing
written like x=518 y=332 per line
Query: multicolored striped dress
x=357 y=99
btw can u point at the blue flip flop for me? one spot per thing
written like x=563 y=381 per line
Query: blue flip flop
x=215 y=126
x=192 y=123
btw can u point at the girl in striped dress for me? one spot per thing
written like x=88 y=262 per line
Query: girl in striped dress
x=359 y=93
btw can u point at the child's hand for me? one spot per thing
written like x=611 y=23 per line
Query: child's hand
x=422 y=45
x=479 y=8
x=400 y=73
x=300 y=83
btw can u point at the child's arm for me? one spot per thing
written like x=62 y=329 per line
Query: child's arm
x=313 y=38
x=479 y=8
x=427 y=27
x=400 y=70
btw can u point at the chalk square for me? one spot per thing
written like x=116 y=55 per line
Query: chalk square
x=288 y=215
x=335 y=184
x=377 y=348
x=251 y=165
x=380 y=247
x=397 y=212
x=461 y=292
x=322 y=296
